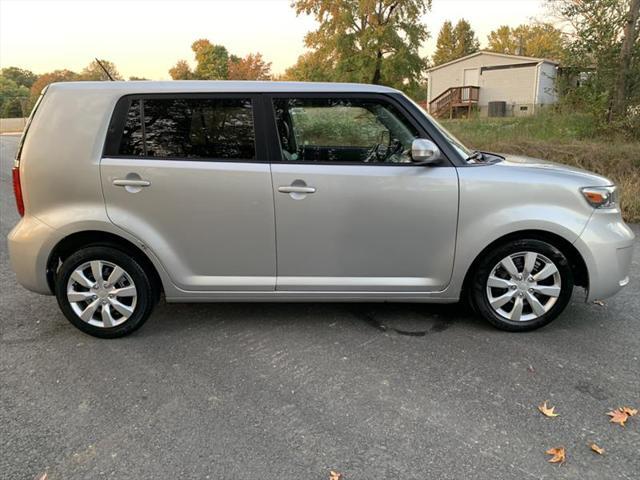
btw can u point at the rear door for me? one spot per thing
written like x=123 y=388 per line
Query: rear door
x=352 y=212
x=188 y=176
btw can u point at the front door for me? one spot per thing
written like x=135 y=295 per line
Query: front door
x=187 y=175
x=352 y=212
x=471 y=77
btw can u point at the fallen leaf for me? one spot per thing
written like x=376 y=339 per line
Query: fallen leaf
x=559 y=455
x=546 y=411
x=599 y=302
x=630 y=411
x=618 y=416
x=597 y=449
x=44 y=476
x=334 y=475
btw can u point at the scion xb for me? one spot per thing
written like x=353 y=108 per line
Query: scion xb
x=269 y=191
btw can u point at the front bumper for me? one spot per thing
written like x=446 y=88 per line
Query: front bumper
x=30 y=243
x=606 y=245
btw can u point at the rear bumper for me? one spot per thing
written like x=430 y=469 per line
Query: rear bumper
x=30 y=243
x=606 y=245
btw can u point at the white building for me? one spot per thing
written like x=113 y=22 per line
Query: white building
x=522 y=83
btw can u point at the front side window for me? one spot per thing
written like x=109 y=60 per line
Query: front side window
x=342 y=130
x=189 y=128
x=453 y=141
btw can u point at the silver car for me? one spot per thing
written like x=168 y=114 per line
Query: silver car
x=269 y=191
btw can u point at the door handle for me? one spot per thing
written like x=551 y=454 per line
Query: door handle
x=296 y=189
x=127 y=182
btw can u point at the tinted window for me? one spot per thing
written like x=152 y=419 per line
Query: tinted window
x=190 y=128
x=132 y=142
x=343 y=130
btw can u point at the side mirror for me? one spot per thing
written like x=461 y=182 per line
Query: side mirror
x=424 y=151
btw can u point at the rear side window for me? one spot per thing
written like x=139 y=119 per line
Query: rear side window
x=186 y=128
x=132 y=143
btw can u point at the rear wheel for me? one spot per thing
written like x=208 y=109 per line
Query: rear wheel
x=104 y=292
x=522 y=285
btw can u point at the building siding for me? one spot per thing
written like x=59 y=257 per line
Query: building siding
x=516 y=86
x=452 y=75
x=522 y=88
x=547 y=92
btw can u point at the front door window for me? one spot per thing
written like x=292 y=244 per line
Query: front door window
x=342 y=130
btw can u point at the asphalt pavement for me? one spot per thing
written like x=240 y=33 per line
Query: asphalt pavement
x=292 y=391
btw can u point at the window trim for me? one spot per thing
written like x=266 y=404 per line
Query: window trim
x=118 y=119
x=394 y=100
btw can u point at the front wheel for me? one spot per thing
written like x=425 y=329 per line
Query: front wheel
x=104 y=292
x=522 y=285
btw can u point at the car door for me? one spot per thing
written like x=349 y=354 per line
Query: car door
x=353 y=213
x=188 y=176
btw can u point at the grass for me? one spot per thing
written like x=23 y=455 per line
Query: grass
x=570 y=139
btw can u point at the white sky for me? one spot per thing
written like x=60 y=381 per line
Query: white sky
x=146 y=37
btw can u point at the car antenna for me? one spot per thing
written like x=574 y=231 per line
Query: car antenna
x=105 y=70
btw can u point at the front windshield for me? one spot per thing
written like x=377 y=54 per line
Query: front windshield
x=455 y=143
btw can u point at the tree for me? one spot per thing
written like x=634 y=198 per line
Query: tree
x=542 y=41
x=539 y=40
x=371 y=41
x=181 y=71
x=310 y=67
x=630 y=36
x=51 y=77
x=502 y=40
x=212 y=60
x=445 y=45
x=20 y=76
x=94 y=71
x=13 y=98
x=212 y=63
x=455 y=42
x=133 y=78
x=466 y=40
x=603 y=44
x=251 y=67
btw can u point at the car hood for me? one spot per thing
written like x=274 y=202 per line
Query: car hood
x=583 y=177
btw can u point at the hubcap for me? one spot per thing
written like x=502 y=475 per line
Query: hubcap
x=101 y=293
x=523 y=286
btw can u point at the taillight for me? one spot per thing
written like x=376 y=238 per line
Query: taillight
x=17 y=187
x=17 y=190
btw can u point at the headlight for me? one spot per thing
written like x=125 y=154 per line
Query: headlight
x=601 y=197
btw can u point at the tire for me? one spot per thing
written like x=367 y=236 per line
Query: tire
x=109 y=311
x=533 y=298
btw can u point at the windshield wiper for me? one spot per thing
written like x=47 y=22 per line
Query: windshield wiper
x=476 y=156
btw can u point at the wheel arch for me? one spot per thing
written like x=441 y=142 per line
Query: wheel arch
x=75 y=241
x=577 y=263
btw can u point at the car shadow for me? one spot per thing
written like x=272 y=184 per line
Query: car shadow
x=403 y=319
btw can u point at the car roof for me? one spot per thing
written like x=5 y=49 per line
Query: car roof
x=220 y=86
